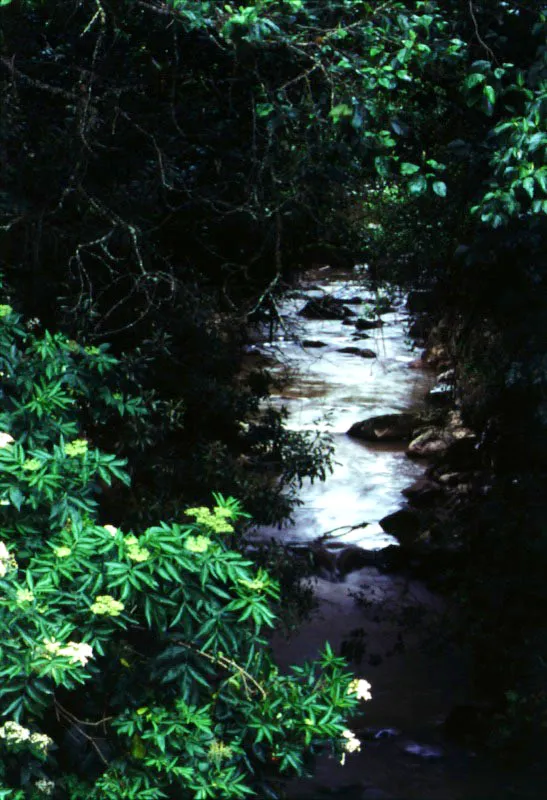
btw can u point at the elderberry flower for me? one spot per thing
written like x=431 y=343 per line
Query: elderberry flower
x=351 y=744
x=13 y=733
x=7 y=561
x=24 y=596
x=32 y=465
x=361 y=688
x=78 y=447
x=77 y=652
x=62 y=552
x=216 y=520
x=41 y=742
x=45 y=787
x=107 y=606
x=5 y=438
x=197 y=544
x=134 y=551
x=218 y=752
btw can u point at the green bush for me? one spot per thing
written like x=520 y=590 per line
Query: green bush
x=132 y=664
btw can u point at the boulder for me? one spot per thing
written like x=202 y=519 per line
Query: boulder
x=437 y=356
x=368 y=324
x=352 y=558
x=312 y=343
x=456 y=478
x=461 y=453
x=384 y=428
x=429 y=444
x=441 y=395
x=325 y=308
x=420 y=327
x=423 y=493
x=402 y=524
x=357 y=336
x=333 y=562
x=358 y=351
x=420 y=300
x=426 y=751
x=448 y=376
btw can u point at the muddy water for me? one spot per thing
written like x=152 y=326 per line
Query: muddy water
x=391 y=627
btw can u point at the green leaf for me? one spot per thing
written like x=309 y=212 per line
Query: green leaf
x=528 y=186
x=475 y=79
x=340 y=111
x=16 y=497
x=439 y=187
x=418 y=185
x=264 y=109
x=408 y=168
x=382 y=166
x=490 y=94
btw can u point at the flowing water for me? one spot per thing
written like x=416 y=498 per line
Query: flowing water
x=332 y=390
x=392 y=627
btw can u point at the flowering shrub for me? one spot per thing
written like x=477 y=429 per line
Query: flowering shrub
x=133 y=664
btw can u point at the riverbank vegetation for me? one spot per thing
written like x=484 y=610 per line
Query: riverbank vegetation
x=169 y=168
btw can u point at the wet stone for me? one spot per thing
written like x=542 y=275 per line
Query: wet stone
x=384 y=428
x=368 y=324
x=420 y=300
x=402 y=524
x=325 y=308
x=427 y=752
x=357 y=351
x=376 y=734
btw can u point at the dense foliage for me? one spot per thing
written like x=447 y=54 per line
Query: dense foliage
x=133 y=664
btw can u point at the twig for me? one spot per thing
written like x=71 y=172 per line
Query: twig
x=481 y=41
x=344 y=528
x=225 y=663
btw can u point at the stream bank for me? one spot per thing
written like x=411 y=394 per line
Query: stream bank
x=393 y=629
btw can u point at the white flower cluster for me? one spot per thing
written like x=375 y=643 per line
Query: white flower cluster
x=361 y=688
x=5 y=439
x=14 y=734
x=41 y=741
x=77 y=652
x=45 y=787
x=350 y=743
x=7 y=561
x=111 y=529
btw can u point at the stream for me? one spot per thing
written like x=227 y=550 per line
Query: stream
x=390 y=626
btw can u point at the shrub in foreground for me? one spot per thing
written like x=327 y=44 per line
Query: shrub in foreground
x=133 y=664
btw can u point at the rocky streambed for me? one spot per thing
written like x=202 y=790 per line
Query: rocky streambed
x=372 y=527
